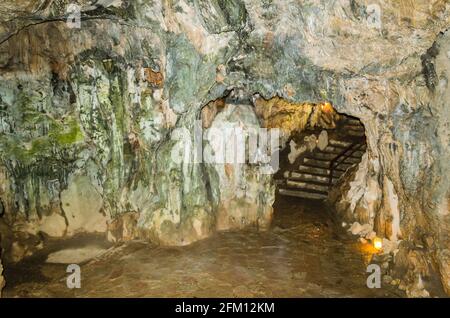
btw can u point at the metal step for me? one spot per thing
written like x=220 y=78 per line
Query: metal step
x=310 y=178
x=312 y=170
x=319 y=171
x=337 y=150
x=302 y=194
x=333 y=150
x=316 y=163
x=355 y=133
x=307 y=177
x=316 y=180
x=313 y=157
x=352 y=160
x=325 y=156
x=323 y=189
x=339 y=143
x=343 y=168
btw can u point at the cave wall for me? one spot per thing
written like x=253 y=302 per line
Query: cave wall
x=89 y=120
x=401 y=188
x=87 y=115
x=2 y=279
x=438 y=193
x=242 y=193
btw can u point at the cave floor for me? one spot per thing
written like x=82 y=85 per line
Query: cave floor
x=304 y=254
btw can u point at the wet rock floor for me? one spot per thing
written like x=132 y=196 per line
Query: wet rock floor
x=304 y=254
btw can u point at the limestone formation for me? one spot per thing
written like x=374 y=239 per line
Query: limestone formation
x=295 y=151
x=244 y=193
x=2 y=280
x=90 y=116
x=322 y=141
x=81 y=204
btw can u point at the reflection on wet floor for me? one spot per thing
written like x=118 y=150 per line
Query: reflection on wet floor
x=303 y=255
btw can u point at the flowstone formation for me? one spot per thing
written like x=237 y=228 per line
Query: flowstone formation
x=87 y=116
x=242 y=193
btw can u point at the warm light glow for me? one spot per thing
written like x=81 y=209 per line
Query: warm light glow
x=378 y=243
x=327 y=108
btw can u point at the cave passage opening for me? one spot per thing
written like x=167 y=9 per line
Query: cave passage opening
x=319 y=145
x=321 y=150
x=315 y=159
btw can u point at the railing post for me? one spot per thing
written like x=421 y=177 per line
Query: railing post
x=341 y=154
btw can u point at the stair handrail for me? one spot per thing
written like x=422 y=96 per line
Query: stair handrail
x=354 y=147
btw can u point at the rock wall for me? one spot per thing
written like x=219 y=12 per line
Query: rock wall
x=242 y=193
x=96 y=108
x=2 y=280
x=437 y=192
x=89 y=119
x=398 y=189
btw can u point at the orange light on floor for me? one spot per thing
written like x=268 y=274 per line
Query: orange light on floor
x=378 y=243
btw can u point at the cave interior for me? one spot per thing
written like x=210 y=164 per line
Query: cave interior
x=236 y=148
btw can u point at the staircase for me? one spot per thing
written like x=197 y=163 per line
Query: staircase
x=319 y=170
